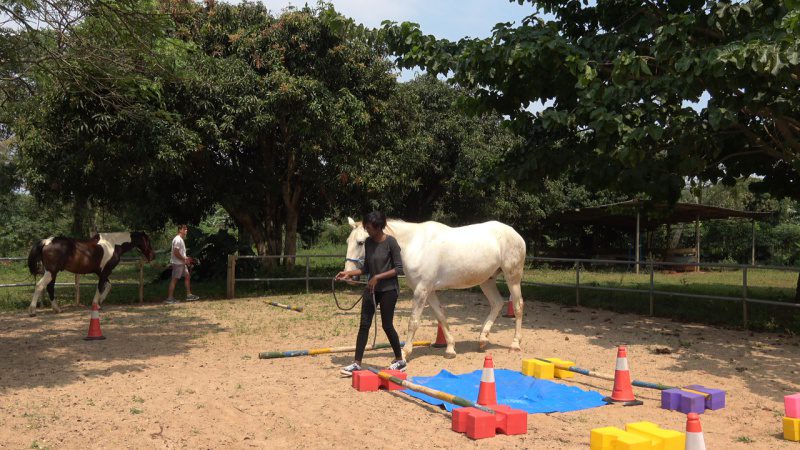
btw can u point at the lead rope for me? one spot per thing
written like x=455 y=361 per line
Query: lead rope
x=374 y=305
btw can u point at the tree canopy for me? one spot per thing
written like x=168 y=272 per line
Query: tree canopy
x=622 y=84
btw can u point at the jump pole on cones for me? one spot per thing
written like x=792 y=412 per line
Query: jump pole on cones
x=321 y=351
x=603 y=376
x=444 y=396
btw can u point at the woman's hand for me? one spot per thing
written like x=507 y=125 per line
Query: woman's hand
x=372 y=283
x=343 y=275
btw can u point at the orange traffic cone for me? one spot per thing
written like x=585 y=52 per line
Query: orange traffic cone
x=440 y=340
x=623 y=390
x=509 y=310
x=487 y=394
x=694 y=433
x=94 y=325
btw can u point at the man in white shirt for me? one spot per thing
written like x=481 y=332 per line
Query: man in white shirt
x=180 y=266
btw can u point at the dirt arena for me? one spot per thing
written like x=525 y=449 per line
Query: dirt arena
x=188 y=376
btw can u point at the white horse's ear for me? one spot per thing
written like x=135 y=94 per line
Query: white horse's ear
x=351 y=222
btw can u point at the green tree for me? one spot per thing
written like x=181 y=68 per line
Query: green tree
x=285 y=108
x=618 y=78
x=95 y=131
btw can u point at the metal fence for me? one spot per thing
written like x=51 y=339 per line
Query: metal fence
x=231 y=278
x=78 y=283
x=577 y=264
x=744 y=299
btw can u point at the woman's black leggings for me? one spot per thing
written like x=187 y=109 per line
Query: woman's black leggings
x=387 y=301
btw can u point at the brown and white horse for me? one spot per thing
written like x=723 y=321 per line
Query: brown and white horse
x=99 y=255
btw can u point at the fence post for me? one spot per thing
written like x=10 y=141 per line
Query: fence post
x=577 y=283
x=141 y=281
x=308 y=272
x=231 y=276
x=652 y=288
x=744 y=296
x=77 y=289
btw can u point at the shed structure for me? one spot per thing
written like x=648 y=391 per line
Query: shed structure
x=636 y=216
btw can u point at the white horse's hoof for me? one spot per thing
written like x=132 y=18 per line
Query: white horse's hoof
x=483 y=344
x=450 y=354
x=515 y=348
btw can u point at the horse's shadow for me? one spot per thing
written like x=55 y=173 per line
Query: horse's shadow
x=48 y=350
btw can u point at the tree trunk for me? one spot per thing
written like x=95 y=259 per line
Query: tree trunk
x=80 y=218
x=290 y=192
x=291 y=200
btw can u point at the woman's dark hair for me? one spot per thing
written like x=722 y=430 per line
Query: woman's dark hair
x=376 y=218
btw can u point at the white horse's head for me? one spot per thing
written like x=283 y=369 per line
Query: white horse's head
x=355 y=246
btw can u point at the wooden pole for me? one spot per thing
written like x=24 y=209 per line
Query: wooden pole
x=753 y=255
x=444 y=396
x=231 y=285
x=577 y=284
x=77 y=289
x=289 y=307
x=320 y=351
x=607 y=377
x=652 y=288
x=637 y=241
x=141 y=281
x=308 y=272
x=697 y=243
x=744 y=297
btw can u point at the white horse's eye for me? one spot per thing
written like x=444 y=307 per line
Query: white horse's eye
x=360 y=242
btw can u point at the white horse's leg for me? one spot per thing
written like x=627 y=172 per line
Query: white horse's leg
x=96 y=298
x=37 y=292
x=420 y=297
x=105 y=292
x=438 y=312
x=516 y=300
x=489 y=288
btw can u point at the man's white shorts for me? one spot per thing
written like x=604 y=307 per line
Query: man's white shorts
x=179 y=271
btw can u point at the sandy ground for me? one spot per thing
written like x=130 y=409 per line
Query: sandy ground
x=188 y=376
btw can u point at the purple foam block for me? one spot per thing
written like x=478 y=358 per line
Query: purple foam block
x=692 y=403
x=715 y=399
x=671 y=399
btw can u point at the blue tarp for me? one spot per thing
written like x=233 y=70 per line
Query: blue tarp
x=513 y=389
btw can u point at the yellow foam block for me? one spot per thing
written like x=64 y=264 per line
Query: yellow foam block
x=660 y=439
x=561 y=373
x=603 y=438
x=630 y=441
x=538 y=369
x=791 y=429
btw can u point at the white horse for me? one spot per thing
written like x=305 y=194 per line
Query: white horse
x=436 y=257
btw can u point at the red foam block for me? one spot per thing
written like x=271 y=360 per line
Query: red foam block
x=481 y=425
x=511 y=421
x=366 y=381
x=460 y=415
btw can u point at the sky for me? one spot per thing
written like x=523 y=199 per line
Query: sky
x=449 y=19
x=445 y=19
